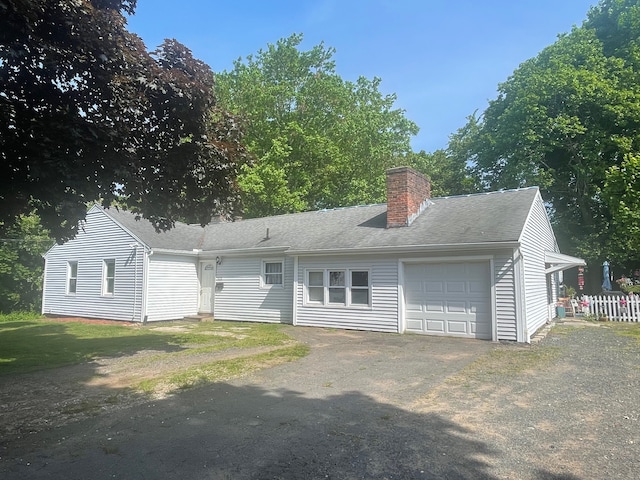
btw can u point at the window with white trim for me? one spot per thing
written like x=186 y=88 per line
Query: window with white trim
x=273 y=273
x=359 y=284
x=108 y=276
x=72 y=277
x=336 y=287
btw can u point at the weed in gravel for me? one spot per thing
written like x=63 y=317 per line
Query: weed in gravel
x=511 y=361
x=627 y=329
x=222 y=370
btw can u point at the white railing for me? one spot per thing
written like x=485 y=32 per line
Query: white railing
x=619 y=308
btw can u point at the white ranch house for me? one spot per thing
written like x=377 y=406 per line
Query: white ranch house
x=481 y=266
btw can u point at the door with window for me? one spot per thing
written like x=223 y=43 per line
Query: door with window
x=207 y=286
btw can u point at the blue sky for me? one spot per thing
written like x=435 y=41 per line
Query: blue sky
x=443 y=59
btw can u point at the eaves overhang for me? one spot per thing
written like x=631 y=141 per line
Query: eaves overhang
x=407 y=249
x=236 y=252
x=558 y=262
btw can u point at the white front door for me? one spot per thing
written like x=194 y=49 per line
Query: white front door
x=207 y=285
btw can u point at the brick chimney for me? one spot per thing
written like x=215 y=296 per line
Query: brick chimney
x=408 y=194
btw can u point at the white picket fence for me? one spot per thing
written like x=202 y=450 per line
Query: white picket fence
x=623 y=308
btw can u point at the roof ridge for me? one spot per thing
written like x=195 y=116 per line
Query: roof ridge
x=492 y=192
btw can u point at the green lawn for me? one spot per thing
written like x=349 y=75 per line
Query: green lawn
x=29 y=344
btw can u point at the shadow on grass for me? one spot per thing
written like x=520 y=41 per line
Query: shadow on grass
x=32 y=345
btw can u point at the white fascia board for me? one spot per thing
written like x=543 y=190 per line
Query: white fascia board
x=408 y=249
x=243 y=251
x=169 y=251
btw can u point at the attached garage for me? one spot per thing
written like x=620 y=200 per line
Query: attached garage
x=452 y=299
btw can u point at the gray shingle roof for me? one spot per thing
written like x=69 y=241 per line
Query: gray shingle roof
x=468 y=219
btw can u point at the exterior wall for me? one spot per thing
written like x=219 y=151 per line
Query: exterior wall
x=505 y=292
x=240 y=296
x=537 y=236
x=99 y=239
x=382 y=315
x=172 y=287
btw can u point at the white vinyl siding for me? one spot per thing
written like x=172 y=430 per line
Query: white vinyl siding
x=505 y=291
x=537 y=236
x=173 y=286
x=99 y=238
x=381 y=314
x=240 y=294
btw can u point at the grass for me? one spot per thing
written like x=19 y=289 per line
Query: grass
x=28 y=344
x=222 y=369
x=626 y=329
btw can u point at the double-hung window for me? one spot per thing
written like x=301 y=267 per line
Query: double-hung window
x=272 y=273
x=108 y=276
x=335 y=287
x=359 y=287
x=72 y=277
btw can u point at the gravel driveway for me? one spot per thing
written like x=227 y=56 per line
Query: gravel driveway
x=381 y=406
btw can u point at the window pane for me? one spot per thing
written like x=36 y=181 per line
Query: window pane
x=360 y=297
x=273 y=279
x=72 y=285
x=359 y=279
x=316 y=279
x=73 y=269
x=336 y=279
x=273 y=267
x=316 y=294
x=337 y=295
x=109 y=276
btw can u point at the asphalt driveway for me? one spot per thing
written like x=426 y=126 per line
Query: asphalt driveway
x=368 y=405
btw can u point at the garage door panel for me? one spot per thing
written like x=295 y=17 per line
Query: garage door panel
x=477 y=287
x=449 y=299
x=414 y=324
x=434 y=326
x=456 y=287
x=433 y=307
x=456 y=307
x=434 y=287
x=458 y=327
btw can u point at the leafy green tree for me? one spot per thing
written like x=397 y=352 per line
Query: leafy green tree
x=21 y=264
x=561 y=121
x=319 y=141
x=449 y=175
x=86 y=112
x=621 y=191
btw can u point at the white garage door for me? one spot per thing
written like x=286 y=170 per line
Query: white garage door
x=448 y=299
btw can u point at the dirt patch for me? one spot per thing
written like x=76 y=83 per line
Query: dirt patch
x=32 y=402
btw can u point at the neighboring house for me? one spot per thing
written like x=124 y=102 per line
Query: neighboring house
x=481 y=266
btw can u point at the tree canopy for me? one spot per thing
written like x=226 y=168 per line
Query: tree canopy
x=566 y=121
x=319 y=141
x=87 y=113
